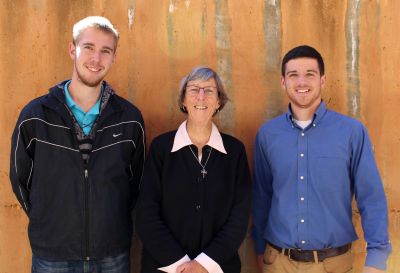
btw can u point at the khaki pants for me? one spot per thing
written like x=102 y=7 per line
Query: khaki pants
x=276 y=262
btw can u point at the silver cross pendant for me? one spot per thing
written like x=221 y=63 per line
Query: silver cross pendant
x=203 y=172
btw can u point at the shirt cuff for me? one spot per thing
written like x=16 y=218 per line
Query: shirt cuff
x=208 y=263
x=377 y=258
x=259 y=245
x=172 y=268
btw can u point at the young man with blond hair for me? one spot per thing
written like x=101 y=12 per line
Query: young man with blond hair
x=76 y=162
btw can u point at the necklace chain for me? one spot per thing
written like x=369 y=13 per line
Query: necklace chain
x=203 y=171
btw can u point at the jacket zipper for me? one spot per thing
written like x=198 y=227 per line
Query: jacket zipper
x=86 y=213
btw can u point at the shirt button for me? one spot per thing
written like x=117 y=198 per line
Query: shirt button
x=301 y=177
x=302 y=198
x=301 y=154
x=302 y=220
x=303 y=242
x=302 y=134
x=314 y=125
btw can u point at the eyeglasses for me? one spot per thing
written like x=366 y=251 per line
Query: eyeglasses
x=208 y=91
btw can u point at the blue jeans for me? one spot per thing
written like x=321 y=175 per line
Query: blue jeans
x=116 y=264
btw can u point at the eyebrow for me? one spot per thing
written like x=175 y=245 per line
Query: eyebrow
x=109 y=48
x=91 y=44
x=105 y=47
x=295 y=71
x=195 y=85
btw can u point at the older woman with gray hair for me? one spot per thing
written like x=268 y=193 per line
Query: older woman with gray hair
x=194 y=203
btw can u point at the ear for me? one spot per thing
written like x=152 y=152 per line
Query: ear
x=184 y=101
x=72 y=50
x=283 y=86
x=218 y=104
x=323 y=79
x=114 y=57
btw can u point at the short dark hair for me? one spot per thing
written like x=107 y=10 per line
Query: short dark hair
x=303 y=51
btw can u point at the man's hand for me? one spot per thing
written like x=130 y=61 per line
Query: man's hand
x=191 y=267
x=369 y=269
x=260 y=262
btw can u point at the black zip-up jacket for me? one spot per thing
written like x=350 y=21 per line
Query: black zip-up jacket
x=77 y=211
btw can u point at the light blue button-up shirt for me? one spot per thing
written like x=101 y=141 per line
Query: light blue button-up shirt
x=84 y=119
x=305 y=180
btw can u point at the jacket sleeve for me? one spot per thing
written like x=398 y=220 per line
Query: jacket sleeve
x=153 y=232
x=262 y=193
x=371 y=199
x=138 y=158
x=21 y=162
x=227 y=241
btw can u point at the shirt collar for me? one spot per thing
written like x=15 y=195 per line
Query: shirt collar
x=95 y=110
x=321 y=110
x=68 y=99
x=182 y=139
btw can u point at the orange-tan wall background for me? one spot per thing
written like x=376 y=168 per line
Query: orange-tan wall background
x=244 y=41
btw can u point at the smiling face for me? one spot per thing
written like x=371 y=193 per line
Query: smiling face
x=93 y=55
x=201 y=100
x=303 y=83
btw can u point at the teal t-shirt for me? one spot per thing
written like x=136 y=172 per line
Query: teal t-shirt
x=85 y=120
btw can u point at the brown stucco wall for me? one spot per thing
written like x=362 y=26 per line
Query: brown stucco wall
x=243 y=40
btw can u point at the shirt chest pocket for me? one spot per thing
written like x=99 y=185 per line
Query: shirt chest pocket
x=330 y=173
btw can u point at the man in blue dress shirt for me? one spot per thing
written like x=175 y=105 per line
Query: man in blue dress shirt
x=308 y=165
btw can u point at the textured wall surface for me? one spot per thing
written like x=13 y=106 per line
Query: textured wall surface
x=244 y=41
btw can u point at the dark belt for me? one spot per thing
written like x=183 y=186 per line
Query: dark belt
x=308 y=255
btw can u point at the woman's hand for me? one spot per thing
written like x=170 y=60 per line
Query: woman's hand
x=260 y=262
x=191 y=267
x=369 y=269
